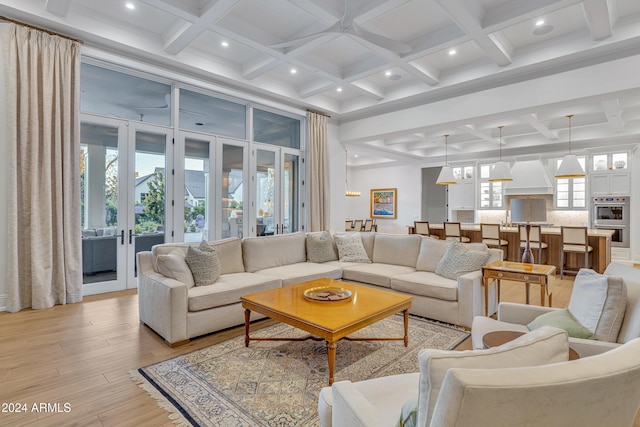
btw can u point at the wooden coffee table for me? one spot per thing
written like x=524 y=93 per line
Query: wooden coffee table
x=328 y=320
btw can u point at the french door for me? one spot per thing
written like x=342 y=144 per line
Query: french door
x=123 y=198
x=275 y=190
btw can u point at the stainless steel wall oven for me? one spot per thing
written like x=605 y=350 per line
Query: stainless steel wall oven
x=612 y=213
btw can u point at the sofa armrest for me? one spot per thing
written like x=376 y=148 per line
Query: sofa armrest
x=162 y=302
x=351 y=408
x=470 y=297
x=586 y=348
x=521 y=314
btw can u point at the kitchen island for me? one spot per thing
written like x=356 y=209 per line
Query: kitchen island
x=600 y=240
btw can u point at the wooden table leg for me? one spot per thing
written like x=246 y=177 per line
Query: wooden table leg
x=247 y=317
x=542 y=292
x=528 y=287
x=486 y=296
x=406 y=327
x=331 y=358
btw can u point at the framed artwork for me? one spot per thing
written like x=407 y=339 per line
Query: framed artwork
x=383 y=203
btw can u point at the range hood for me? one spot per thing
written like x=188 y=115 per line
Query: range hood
x=529 y=177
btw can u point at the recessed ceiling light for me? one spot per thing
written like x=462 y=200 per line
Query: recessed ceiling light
x=539 y=22
x=542 y=29
x=293 y=71
x=452 y=52
x=388 y=73
x=224 y=43
x=355 y=155
x=339 y=89
x=129 y=5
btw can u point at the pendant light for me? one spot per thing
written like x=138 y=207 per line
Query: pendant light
x=446 y=173
x=348 y=193
x=501 y=171
x=570 y=166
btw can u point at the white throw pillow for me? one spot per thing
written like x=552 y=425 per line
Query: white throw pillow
x=540 y=347
x=458 y=260
x=431 y=252
x=350 y=248
x=598 y=302
x=173 y=266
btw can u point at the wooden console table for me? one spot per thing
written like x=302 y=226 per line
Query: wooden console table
x=539 y=274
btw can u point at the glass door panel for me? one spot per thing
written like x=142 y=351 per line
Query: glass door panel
x=265 y=192
x=197 y=207
x=232 y=215
x=291 y=172
x=100 y=205
x=149 y=205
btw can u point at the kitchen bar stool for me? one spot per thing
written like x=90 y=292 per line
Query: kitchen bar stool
x=452 y=232
x=535 y=240
x=491 y=236
x=422 y=227
x=574 y=240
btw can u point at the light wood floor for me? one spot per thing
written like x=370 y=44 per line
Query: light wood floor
x=81 y=354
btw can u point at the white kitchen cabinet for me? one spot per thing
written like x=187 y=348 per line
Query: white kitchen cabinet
x=610 y=183
x=462 y=196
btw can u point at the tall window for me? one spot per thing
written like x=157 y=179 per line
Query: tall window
x=491 y=193
x=571 y=193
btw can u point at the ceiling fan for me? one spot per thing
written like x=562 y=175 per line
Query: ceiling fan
x=346 y=25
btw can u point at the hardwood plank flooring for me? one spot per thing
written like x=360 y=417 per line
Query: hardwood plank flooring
x=81 y=354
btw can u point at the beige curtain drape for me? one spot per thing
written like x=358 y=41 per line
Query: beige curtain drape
x=42 y=88
x=319 y=194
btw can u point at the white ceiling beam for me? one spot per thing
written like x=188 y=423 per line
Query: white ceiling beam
x=598 y=18
x=471 y=130
x=518 y=11
x=462 y=13
x=612 y=111
x=58 y=7
x=532 y=120
x=369 y=89
x=179 y=9
x=214 y=11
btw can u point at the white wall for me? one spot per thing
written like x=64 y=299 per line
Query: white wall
x=338 y=203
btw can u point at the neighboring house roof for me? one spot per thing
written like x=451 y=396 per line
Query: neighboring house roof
x=194 y=182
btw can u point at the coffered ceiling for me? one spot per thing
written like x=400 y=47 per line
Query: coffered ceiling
x=358 y=59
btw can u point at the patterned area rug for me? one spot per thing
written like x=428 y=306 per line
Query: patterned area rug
x=276 y=383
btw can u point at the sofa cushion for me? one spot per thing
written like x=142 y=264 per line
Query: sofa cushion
x=459 y=260
x=540 y=347
x=598 y=302
x=174 y=266
x=229 y=252
x=430 y=254
x=375 y=274
x=350 y=248
x=562 y=319
x=228 y=290
x=302 y=272
x=320 y=247
x=396 y=249
x=273 y=251
x=426 y=284
x=204 y=266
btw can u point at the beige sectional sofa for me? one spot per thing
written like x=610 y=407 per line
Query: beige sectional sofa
x=172 y=306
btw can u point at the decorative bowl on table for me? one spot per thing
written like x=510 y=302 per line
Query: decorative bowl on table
x=327 y=294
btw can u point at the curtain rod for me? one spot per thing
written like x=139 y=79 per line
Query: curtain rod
x=24 y=24
x=317 y=112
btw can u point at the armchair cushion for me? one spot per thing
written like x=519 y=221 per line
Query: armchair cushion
x=598 y=302
x=564 y=320
x=542 y=346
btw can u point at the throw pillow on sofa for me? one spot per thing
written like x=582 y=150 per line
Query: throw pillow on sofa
x=174 y=266
x=351 y=249
x=204 y=265
x=598 y=302
x=320 y=247
x=458 y=261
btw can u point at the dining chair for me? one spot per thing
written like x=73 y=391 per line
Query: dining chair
x=357 y=225
x=368 y=225
x=535 y=240
x=490 y=235
x=452 y=231
x=422 y=227
x=574 y=240
x=348 y=225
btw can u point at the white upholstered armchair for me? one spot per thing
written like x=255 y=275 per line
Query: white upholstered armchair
x=481 y=390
